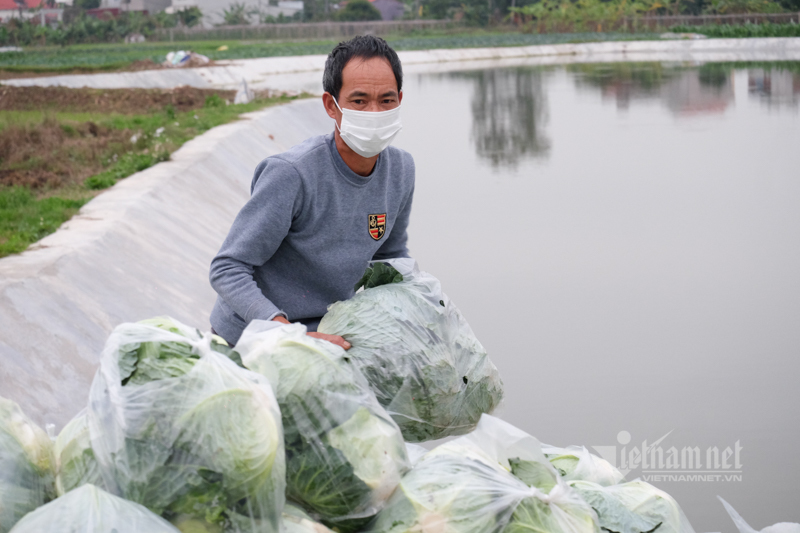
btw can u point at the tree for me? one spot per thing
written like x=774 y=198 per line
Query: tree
x=87 y=4
x=237 y=14
x=358 y=10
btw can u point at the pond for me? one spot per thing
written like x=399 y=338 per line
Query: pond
x=624 y=238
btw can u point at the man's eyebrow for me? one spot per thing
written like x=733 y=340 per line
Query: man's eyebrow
x=355 y=94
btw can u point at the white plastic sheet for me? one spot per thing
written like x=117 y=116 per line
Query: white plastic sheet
x=418 y=353
x=190 y=434
x=744 y=527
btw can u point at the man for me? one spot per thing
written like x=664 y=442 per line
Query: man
x=320 y=211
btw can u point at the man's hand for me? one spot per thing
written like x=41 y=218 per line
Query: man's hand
x=335 y=339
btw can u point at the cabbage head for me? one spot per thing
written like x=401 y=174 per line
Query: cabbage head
x=89 y=509
x=417 y=352
x=179 y=427
x=634 y=507
x=295 y=520
x=344 y=454
x=26 y=465
x=448 y=493
x=76 y=464
x=451 y=494
x=577 y=463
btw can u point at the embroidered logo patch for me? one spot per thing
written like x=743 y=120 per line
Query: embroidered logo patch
x=377 y=226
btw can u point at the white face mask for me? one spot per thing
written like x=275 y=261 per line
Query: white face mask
x=368 y=133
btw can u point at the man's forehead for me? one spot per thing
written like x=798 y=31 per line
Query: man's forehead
x=364 y=76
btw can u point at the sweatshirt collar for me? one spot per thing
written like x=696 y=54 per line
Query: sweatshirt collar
x=345 y=171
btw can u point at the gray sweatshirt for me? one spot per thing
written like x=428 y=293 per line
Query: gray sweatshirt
x=305 y=236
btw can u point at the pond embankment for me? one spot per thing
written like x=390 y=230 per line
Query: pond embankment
x=139 y=250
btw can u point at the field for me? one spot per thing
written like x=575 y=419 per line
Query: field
x=60 y=147
x=116 y=56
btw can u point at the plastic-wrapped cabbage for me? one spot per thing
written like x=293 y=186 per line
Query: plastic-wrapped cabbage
x=457 y=494
x=89 y=509
x=505 y=447
x=26 y=465
x=75 y=461
x=344 y=454
x=295 y=520
x=180 y=428
x=551 y=505
x=577 y=463
x=634 y=507
x=744 y=527
x=418 y=353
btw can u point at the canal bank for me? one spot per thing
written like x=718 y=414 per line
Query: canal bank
x=302 y=73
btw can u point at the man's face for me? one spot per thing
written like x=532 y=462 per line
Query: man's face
x=367 y=85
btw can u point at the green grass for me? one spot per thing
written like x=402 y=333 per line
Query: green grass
x=99 y=57
x=767 y=29
x=26 y=218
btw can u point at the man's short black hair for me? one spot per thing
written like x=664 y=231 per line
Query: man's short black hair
x=362 y=47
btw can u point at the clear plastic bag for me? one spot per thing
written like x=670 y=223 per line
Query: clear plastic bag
x=75 y=461
x=744 y=527
x=577 y=463
x=180 y=428
x=417 y=352
x=89 y=509
x=26 y=465
x=633 y=507
x=344 y=454
x=295 y=520
x=466 y=486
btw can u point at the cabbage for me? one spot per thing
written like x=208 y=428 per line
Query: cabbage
x=546 y=505
x=177 y=426
x=295 y=520
x=89 y=509
x=418 y=353
x=26 y=465
x=75 y=461
x=447 y=493
x=634 y=507
x=344 y=454
x=576 y=463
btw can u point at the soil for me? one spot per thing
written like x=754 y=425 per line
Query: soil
x=46 y=155
x=125 y=101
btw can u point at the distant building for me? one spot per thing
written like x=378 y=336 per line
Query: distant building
x=390 y=9
x=213 y=9
x=10 y=9
x=151 y=6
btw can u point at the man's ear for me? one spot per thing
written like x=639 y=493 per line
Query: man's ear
x=400 y=98
x=330 y=105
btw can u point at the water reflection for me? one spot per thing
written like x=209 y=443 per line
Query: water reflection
x=685 y=91
x=509 y=110
x=776 y=86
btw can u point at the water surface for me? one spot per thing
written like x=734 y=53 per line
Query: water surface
x=625 y=241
